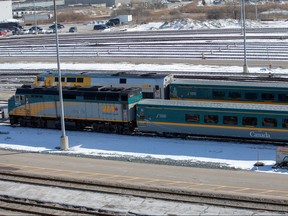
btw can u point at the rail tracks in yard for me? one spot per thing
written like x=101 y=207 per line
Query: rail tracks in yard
x=188 y=196
x=34 y=207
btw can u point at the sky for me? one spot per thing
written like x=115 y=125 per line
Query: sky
x=193 y=152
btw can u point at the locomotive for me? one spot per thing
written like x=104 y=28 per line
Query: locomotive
x=103 y=109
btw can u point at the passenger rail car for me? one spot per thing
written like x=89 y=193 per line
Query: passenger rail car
x=221 y=91
x=103 y=109
x=236 y=120
x=153 y=85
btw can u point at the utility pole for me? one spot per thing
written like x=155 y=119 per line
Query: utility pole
x=64 y=145
x=245 y=66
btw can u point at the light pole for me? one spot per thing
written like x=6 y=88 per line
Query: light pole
x=245 y=66
x=35 y=24
x=64 y=145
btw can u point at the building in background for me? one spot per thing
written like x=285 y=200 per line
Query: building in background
x=109 y=3
x=5 y=10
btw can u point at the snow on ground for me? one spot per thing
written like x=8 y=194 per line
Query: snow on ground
x=189 y=24
x=173 y=67
x=221 y=154
x=134 y=148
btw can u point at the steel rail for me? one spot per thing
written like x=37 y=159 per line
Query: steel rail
x=264 y=203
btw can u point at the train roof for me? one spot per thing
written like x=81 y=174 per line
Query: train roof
x=28 y=89
x=215 y=105
x=229 y=83
x=108 y=75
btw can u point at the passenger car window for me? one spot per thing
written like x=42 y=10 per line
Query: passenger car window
x=192 y=118
x=283 y=97
x=231 y=120
x=269 y=122
x=249 y=121
x=234 y=95
x=251 y=96
x=285 y=123
x=211 y=119
x=218 y=94
x=267 y=96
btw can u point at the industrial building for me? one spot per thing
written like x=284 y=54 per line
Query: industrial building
x=5 y=10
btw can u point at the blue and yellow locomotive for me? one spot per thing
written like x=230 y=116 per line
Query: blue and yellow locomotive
x=98 y=108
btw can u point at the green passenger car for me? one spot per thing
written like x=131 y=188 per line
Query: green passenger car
x=237 y=120
x=252 y=92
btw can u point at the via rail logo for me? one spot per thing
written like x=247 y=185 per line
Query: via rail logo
x=260 y=134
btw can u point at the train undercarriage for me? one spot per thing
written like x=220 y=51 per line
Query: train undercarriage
x=74 y=124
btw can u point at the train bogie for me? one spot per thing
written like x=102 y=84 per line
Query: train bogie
x=246 y=121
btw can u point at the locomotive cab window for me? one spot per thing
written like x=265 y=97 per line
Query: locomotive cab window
x=249 y=121
x=124 y=97
x=218 y=94
x=211 y=119
x=192 y=118
x=18 y=98
x=231 y=120
x=269 y=122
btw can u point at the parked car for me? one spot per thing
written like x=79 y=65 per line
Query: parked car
x=100 y=27
x=20 y=31
x=73 y=29
x=113 y=22
x=59 y=26
x=3 y=32
x=37 y=29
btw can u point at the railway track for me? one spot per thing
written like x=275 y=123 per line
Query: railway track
x=35 y=207
x=173 y=45
x=228 y=200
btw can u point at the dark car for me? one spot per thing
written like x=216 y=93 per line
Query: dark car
x=100 y=27
x=35 y=29
x=59 y=26
x=113 y=22
x=73 y=29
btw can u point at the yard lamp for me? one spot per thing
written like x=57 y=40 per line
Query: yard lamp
x=64 y=145
x=245 y=66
